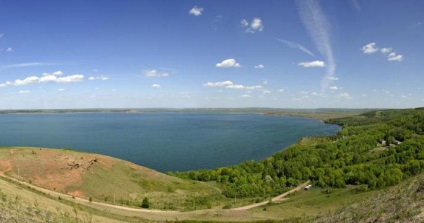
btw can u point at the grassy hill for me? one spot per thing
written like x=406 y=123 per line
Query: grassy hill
x=102 y=178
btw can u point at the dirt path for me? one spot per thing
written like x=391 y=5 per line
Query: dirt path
x=274 y=199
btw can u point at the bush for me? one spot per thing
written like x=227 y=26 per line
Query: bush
x=145 y=203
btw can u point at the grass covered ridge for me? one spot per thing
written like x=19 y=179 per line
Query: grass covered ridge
x=102 y=178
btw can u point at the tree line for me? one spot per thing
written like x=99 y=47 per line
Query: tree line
x=354 y=156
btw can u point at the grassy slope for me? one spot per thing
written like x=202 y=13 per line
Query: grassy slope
x=108 y=180
x=400 y=203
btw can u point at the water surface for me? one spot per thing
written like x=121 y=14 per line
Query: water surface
x=163 y=141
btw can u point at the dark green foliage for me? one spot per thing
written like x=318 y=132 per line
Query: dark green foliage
x=352 y=157
x=145 y=203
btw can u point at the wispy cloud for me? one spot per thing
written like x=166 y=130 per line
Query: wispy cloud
x=196 y=11
x=32 y=64
x=295 y=46
x=231 y=85
x=318 y=27
x=260 y=66
x=155 y=73
x=101 y=78
x=316 y=63
x=24 y=92
x=356 y=5
x=155 y=86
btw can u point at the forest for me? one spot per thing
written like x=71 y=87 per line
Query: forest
x=373 y=150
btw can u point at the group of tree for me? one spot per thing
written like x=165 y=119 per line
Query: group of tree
x=352 y=157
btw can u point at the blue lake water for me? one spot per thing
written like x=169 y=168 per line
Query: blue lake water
x=163 y=141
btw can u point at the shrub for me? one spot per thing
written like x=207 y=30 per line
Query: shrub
x=145 y=203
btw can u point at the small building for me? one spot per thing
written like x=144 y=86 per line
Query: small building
x=308 y=187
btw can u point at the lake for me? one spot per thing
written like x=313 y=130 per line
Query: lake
x=163 y=141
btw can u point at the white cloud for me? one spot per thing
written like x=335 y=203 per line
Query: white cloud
x=155 y=86
x=24 y=92
x=228 y=63
x=255 y=26
x=70 y=79
x=56 y=73
x=155 y=73
x=44 y=79
x=101 y=78
x=218 y=84
x=246 y=96
x=333 y=78
x=266 y=92
x=61 y=89
x=345 y=95
x=394 y=57
x=196 y=11
x=9 y=49
x=335 y=88
x=386 y=50
x=369 y=48
x=295 y=46
x=281 y=90
x=260 y=66
x=231 y=85
x=316 y=63
x=265 y=82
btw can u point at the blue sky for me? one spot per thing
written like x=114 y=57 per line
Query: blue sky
x=182 y=54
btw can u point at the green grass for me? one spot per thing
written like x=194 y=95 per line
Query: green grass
x=311 y=203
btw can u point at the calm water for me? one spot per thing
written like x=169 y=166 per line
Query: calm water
x=163 y=141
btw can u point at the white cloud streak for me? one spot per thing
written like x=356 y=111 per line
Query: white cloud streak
x=155 y=73
x=196 y=11
x=260 y=66
x=316 y=63
x=155 y=86
x=319 y=29
x=356 y=5
x=231 y=85
x=100 y=78
x=228 y=63
x=32 y=64
x=295 y=46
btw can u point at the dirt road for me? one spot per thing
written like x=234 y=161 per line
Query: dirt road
x=274 y=199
